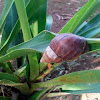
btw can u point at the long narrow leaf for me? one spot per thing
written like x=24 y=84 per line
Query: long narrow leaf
x=9 y=24
x=91 y=32
x=37 y=44
x=96 y=90
x=10 y=38
x=37 y=26
x=21 y=71
x=5 y=98
x=78 y=86
x=6 y=67
x=31 y=8
x=39 y=19
x=34 y=72
x=94 y=43
x=89 y=76
x=10 y=77
x=23 y=87
x=80 y=17
x=80 y=27
x=94 y=22
x=5 y=12
x=37 y=95
x=23 y=19
x=49 y=21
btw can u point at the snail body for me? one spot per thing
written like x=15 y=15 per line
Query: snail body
x=64 y=47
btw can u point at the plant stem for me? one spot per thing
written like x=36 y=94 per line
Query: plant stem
x=20 y=5
x=93 y=40
x=94 y=44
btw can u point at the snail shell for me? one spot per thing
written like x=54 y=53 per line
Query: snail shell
x=64 y=47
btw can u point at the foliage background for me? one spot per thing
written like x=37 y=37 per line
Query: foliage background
x=62 y=11
x=92 y=61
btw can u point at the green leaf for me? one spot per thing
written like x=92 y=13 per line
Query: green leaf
x=31 y=9
x=94 y=43
x=6 y=67
x=42 y=17
x=21 y=71
x=10 y=77
x=92 y=24
x=6 y=9
x=26 y=2
x=42 y=66
x=84 y=13
x=88 y=76
x=39 y=19
x=66 y=92
x=23 y=87
x=34 y=67
x=10 y=38
x=34 y=28
x=92 y=32
x=27 y=72
x=57 y=94
x=5 y=98
x=37 y=44
x=38 y=94
x=78 y=86
x=16 y=54
x=39 y=23
x=20 y=5
x=80 y=27
x=95 y=90
x=47 y=71
x=9 y=24
x=49 y=21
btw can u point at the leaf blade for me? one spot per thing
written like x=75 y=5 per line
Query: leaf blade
x=79 y=17
x=6 y=9
x=10 y=77
x=23 y=87
x=31 y=8
x=37 y=44
x=87 y=76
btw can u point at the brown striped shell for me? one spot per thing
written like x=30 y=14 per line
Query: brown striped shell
x=64 y=47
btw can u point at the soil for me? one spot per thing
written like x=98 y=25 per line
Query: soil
x=62 y=11
x=1 y=5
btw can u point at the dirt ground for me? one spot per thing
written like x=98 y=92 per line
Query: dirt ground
x=62 y=11
x=1 y=5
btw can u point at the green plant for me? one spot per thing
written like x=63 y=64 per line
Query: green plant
x=25 y=27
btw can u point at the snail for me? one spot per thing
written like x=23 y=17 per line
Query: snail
x=64 y=47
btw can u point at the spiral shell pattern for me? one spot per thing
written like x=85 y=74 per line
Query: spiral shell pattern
x=64 y=47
